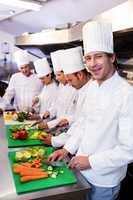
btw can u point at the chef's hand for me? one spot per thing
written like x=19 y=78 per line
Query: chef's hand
x=46 y=115
x=46 y=139
x=35 y=100
x=58 y=155
x=34 y=117
x=79 y=162
x=63 y=122
x=43 y=125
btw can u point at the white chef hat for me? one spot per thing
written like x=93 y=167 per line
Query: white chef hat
x=56 y=60
x=21 y=57
x=97 y=36
x=72 y=60
x=42 y=67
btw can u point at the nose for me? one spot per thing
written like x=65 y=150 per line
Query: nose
x=92 y=62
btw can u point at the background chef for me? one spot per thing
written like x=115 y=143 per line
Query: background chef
x=66 y=97
x=22 y=85
x=78 y=77
x=47 y=97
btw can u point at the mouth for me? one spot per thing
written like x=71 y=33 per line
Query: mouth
x=96 y=70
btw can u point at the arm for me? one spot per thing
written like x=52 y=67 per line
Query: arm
x=60 y=140
x=10 y=91
x=122 y=153
x=76 y=133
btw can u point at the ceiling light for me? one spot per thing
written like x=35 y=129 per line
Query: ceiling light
x=22 y=4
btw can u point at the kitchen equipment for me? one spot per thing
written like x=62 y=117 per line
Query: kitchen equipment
x=37 y=122
x=55 y=163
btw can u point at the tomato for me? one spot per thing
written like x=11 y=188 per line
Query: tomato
x=23 y=135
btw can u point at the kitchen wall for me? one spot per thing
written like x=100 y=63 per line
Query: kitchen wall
x=5 y=37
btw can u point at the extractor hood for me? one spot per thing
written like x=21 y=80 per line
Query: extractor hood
x=52 y=36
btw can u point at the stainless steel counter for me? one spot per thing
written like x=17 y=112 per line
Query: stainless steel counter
x=7 y=188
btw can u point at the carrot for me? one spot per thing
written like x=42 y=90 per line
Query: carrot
x=32 y=173
x=30 y=178
x=26 y=164
x=19 y=168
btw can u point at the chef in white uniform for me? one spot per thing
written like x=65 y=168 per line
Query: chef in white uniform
x=79 y=78
x=47 y=97
x=66 y=96
x=23 y=85
x=104 y=143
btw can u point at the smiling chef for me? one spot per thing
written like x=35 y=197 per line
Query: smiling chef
x=103 y=146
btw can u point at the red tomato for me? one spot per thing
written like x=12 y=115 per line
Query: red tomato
x=23 y=135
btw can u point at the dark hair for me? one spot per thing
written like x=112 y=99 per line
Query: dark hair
x=115 y=61
x=84 y=71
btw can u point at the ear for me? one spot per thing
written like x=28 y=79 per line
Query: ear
x=80 y=74
x=113 y=58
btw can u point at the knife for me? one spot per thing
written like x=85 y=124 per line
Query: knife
x=55 y=163
x=40 y=121
x=37 y=122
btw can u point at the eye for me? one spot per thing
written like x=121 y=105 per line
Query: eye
x=99 y=56
x=87 y=58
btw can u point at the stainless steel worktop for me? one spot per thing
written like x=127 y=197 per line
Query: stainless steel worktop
x=7 y=188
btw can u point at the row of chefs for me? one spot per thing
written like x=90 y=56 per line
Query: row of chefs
x=99 y=111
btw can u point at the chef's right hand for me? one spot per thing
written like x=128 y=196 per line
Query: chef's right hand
x=63 y=122
x=46 y=115
x=35 y=100
x=58 y=155
x=43 y=125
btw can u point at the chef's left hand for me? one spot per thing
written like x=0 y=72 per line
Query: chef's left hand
x=46 y=139
x=79 y=162
x=63 y=122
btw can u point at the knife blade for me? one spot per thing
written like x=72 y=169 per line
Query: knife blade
x=55 y=163
x=37 y=122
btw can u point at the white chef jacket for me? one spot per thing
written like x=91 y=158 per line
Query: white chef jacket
x=64 y=105
x=22 y=89
x=60 y=140
x=47 y=97
x=106 y=135
x=1 y=102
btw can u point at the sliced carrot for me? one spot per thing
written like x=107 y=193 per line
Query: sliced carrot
x=30 y=178
x=19 y=168
x=31 y=173
x=27 y=164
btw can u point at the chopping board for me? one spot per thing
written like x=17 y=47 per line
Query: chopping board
x=18 y=142
x=66 y=178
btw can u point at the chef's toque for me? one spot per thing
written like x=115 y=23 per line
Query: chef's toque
x=72 y=60
x=21 y=57
x=97 y=36
x=56 y=61
x=42 y=67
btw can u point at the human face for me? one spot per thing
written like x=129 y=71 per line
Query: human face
x=25 y=70
x=100 y=65
x=61 y=77
x=74 y=80
x=46 y=80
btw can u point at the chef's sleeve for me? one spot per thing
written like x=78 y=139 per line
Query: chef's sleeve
x=122 y=153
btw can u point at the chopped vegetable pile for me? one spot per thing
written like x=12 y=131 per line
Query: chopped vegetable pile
x=28 y=164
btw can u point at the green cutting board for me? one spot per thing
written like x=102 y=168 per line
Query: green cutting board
x=62 y=179
x=20 y=143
